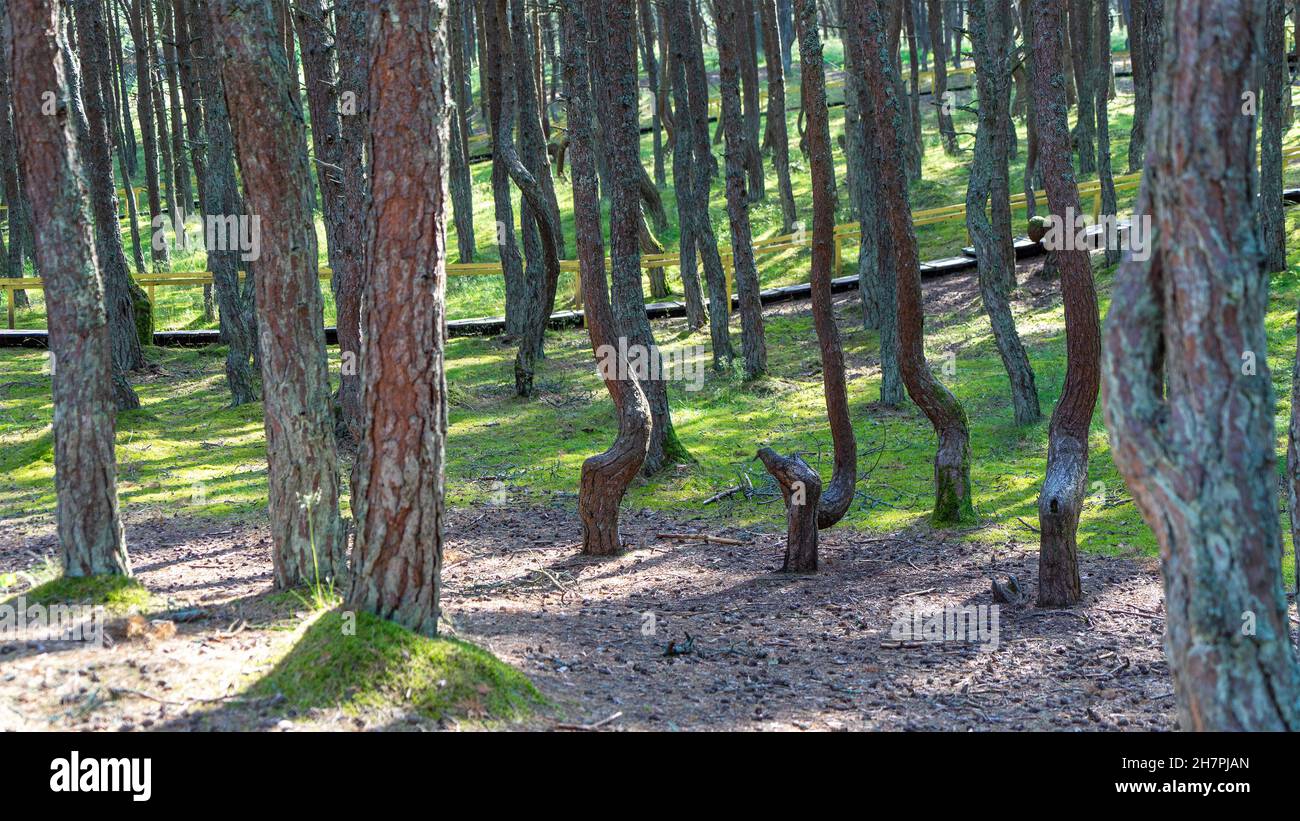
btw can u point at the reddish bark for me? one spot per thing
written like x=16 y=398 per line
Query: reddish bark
x=90 y=532
x=1061 y=498
x=952 y=458
x=1197 y=447
x=605 y=476
x=810 y=507
x=398 y=486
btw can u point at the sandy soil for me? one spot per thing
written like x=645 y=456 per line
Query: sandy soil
x=751 y=648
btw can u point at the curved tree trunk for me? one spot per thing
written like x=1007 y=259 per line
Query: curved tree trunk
x=991 y=42
x=512 y=264
x=952 y=458
x=531 y=174
x=1061 y=498
x=302 y=482
x=91 y=539
x=606 y=476
x=398 y=484
x=1200 y=457
x=622 y=139
x=809 y=506
x=730 y=45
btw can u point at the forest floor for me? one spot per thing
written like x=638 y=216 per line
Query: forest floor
x=751 y=648
x=674 y=633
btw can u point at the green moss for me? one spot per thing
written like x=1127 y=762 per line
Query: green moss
x=119 y=594
x=374 y=663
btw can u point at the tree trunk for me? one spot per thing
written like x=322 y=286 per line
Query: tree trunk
x=877 y=275
x=170 y=69
x=952 y=458
x=91 y=539
x=622 y=136
x=158 y=252
x=991 y=42
x=92 y=48
x=747 y=54
x=651 y=62
x=1199 y=456
x=223 y=203
x=606 y=476
x=1061 y=498
x=939 y=85
x=398 y=485
x=686 y=44
x=1081 y=58
x=683 y=178
x=730 y=45
x=1146 y=46
x=1276 y=80
x=1102 y=92
x=302 y=482
x=351 y=25
x=512 y=263
x=531 y=171
x=461 y=184
x=778 y=138
x=809 y=507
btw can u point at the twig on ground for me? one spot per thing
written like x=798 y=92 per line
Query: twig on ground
x=588 y=727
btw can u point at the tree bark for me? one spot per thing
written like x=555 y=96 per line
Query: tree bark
x=877 y=274
x=1061 y=498
x=1276 y=79
x=1082 y=57
x=1146 y=38
x=778 y=137
x=809 y=507
x=136 y=20
x=530 y=170
x=351 y=26
x=952 y=458
x=1199 y=457
x=939 y=85
x=622 y=136
x=605 y=476
x=512 y=263
x=91 y=538
x=223 y=202
x=92 y=48
x=730 y=45
x=302 y=483
x=991 y=42
x=461 y=183
x=695 y=120
x=398 y=486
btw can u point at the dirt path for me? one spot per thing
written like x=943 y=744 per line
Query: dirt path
x=765 y=650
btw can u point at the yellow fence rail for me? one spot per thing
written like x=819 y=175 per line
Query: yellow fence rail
x=1090 y=189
